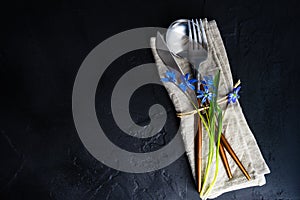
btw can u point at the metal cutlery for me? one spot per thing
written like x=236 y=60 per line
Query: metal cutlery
x=197 y=53
x=187 y=39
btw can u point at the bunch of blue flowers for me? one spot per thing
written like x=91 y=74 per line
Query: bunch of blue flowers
x=206 y=93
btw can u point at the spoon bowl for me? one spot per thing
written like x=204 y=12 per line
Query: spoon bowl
x=177 y=37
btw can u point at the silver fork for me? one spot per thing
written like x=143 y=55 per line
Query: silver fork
x=197 y=51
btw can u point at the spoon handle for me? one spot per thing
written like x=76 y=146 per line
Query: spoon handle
x=225 y=161
x=234 y=156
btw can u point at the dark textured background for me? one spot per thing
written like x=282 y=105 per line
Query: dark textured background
x=43 y=43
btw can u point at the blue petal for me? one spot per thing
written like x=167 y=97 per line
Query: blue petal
x=200 y=92
x=236 y=90
x=187 y=75
x=165 y=80
x=169 y=73
x=193 y=81
x=233 y=100
x=206 y=89
x=182 y=86
x=199 y=96
x=210 y=96
x=203 y=100
x=209 y=80
x=191 y=86
x=230 y=96
x=173 y=77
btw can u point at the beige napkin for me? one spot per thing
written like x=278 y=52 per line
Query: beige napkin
x=235 y=126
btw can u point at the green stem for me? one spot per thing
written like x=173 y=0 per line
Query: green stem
x=212 y=111
x=206 y=112
x=220 y=122
x=210 y=156
x=217 y=167
x=210 y=128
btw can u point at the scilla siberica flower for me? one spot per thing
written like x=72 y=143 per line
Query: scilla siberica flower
x=208 y=81
x=234 y=95
x=170 y=77
x=204 y=95
x=186 y=83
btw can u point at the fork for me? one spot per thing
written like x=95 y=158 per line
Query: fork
x=197 y=53
x=197 y=49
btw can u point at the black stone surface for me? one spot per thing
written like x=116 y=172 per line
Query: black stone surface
x=42 y=45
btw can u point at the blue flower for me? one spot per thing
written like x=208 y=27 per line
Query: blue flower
x=208 y=81
x=170 y=77
x=234 y=95
x=186 y=83
x=204 y=95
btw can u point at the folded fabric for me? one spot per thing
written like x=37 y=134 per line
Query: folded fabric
x=235 y=126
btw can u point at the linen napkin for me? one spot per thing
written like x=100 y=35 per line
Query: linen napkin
x=235 y=126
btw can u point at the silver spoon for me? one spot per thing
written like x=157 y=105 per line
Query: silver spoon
x=177 y=38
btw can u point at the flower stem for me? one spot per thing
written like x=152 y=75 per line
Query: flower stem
x=220 y=119
x=210 y=156
x=210 y=126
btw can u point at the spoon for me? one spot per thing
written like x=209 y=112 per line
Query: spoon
x=177 y=38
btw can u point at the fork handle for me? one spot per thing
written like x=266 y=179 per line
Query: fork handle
x=199 y=154
x=198 y=77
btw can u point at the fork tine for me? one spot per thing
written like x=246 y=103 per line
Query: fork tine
x=190 y=34
x=190 y=31
x=199 y=32
x=204 y=38
x=194 y=33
